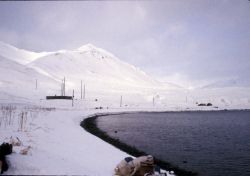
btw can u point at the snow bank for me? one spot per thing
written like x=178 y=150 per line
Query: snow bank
x=58 y=145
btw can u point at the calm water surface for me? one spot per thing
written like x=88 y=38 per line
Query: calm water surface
x=210 y=143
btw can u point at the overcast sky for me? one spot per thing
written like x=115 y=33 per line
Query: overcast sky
x=186 y=41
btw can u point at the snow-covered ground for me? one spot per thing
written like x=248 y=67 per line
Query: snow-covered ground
x=50 y=129
x=56 y=144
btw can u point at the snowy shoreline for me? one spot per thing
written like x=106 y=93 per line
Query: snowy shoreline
x=58 y=144
x=90 y=125
x=93 y=129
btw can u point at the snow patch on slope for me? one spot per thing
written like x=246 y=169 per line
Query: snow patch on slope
x=19 y=55
x=18 y=80
x=93 y=65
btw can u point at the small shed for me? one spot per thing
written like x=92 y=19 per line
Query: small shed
x=59 y=97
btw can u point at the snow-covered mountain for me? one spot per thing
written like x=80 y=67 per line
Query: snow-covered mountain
x=98 y=69
x=105 y=78
x=91 y=63
x=19 y=55
x=20 y=81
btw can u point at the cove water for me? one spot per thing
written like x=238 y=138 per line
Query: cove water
x=213 y=143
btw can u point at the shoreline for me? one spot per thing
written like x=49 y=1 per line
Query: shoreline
x=90 y=125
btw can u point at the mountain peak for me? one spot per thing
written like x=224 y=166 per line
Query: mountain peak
x=93 y=48
x=87 y=47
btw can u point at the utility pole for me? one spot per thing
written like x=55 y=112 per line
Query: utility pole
x=153 y=101
x=73 y=98
x=64 y=87
x=121 y=102
x=36 y=84
x=84 y=91
x=81 y=89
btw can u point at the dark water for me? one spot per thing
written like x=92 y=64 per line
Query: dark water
x=210 y=143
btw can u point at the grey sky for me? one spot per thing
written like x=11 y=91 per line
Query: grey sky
x=186 y=40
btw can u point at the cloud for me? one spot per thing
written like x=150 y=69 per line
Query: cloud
x=140 y=11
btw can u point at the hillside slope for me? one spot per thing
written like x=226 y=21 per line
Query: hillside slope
x=19 y=80
x=96 y=67
x=19 y=55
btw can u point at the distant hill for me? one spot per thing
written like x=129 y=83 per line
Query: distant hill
x=234 y=82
